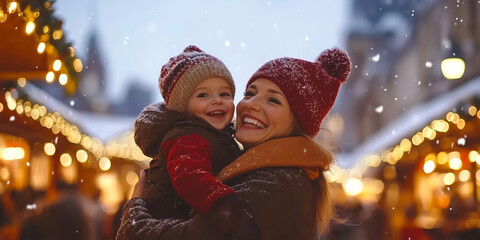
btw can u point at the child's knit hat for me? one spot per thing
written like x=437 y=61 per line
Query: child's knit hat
x=310 y=87
x=182 y=73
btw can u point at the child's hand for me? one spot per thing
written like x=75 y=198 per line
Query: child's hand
x=139 y=186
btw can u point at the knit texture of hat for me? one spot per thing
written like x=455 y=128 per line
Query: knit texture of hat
x=310 y=87
x=181 y=75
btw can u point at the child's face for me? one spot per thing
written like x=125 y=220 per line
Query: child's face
x=212 y=101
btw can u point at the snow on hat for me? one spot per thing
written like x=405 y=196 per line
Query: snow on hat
x=182 y=73
x=310 y=87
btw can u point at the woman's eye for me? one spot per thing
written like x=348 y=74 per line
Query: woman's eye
x=249 y=94
x=274 y=100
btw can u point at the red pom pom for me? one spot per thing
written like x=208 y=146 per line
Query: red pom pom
x=336 y=63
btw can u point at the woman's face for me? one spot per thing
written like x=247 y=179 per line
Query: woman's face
x=263 y=114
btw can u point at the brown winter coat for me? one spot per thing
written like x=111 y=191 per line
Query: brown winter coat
x=280 y=196
x=156 y=125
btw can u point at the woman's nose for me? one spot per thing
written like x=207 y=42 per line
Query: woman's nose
x=253 y=103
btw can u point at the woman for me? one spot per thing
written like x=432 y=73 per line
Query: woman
x=280 y=175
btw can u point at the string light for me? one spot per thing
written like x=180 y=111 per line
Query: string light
x=50 y=77
x=12 y=7
x=29 y=27
x=41 y=47
x=3 y=16
x=49 y=149
x=57 y=64
x=63 y=79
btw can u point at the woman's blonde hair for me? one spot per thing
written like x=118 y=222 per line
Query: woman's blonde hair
x=325 y=211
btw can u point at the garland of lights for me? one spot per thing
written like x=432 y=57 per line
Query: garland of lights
x=48 y=29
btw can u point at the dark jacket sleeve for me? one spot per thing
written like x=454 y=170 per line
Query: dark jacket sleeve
x=137 y=223
x=190 y=169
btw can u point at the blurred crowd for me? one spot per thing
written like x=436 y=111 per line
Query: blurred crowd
x=63 y=213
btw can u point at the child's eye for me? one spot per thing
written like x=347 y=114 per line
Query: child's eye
x=202 y=95
x=225 y=94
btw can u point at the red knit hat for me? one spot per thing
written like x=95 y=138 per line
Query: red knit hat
x=182 y=73
x=310 y=87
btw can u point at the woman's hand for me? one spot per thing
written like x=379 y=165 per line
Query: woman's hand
x=139 y=186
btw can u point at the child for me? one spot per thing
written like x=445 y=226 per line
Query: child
x=190 y=139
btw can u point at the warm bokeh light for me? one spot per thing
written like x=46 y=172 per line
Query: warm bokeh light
x=21 y=82
x=12 y=7
x=461 y=124
x=442 y=158
x=417 y=139
x=49 y=149
x=473 y=156
x=353 y=186
x=66 y=160
x=132 y=178
x=464 y=175
x=63 y=79
x=3 y=16
x=452 y=68
x=12 y=153
x=57 y=34
x=455 y=163
x=29 y=27
x=472 y=110
x=77 y=65
x=82 y=155
x=428 y=132
x=50 y=77
x=406 y=145
x=429 y=166
x=57 y=64
x=41 y=47
x=373 y=160
x=439 y=125
x=104 y=164
x=449 y=179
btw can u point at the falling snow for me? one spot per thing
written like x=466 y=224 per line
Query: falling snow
x=428 y=64
x=376 y=58
x=379 y=109
x=461 y=141
x=12 y=118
